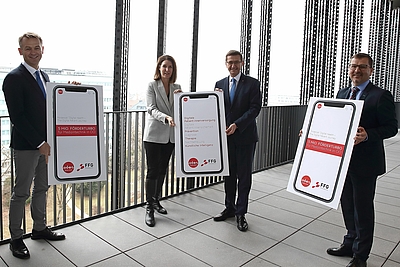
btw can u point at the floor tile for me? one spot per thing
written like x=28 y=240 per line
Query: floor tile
x=159 y=253
x=208 y=249
x=117 y=232
x=83 y=247
x=120 y=260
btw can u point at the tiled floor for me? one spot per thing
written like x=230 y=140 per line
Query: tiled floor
x=284 y=230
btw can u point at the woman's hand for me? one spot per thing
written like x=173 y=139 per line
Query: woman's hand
x=170 y=120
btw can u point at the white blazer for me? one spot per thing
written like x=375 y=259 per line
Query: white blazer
x=159 y=106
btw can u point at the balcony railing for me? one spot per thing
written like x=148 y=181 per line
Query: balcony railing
x=278 y=129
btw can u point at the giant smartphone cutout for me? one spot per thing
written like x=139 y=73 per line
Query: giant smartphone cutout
x=200 y=155
x=76 y=133
x=322 y=157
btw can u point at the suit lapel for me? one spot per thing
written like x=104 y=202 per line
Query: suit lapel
x=348 y=93
x=225 y=89
x=45 y=76
x=31 y=79
x=366 y=91
x=161 y=91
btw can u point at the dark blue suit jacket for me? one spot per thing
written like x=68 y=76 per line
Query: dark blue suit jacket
x=245 y=108
x=378 y=117
x=26 y=107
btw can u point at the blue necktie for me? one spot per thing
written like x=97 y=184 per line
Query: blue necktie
x=39 y=81
x=233 y=89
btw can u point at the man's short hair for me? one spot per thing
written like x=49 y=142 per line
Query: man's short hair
x=29 y=35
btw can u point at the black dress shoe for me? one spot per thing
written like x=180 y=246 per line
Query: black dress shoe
x=48 y=234
x=19 y=249
x=225 y=214
x=157 y=206
x=340 y=251
x=242 y=223
x=149 y=217
x=356 y=262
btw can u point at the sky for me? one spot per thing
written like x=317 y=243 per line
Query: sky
x=73 y=37
x=79 y=34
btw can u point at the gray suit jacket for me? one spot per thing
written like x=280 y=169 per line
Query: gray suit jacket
x=159 y=106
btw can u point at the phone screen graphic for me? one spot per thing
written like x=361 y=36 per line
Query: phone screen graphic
x=200 y=133
x=322 y=156
x=76 y=133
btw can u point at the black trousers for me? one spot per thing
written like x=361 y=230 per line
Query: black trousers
x=157 y=158
x=357 y=204
x=240 y=177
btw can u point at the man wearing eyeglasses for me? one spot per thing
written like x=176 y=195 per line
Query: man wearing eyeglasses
x=242 y=100
x=378 y=122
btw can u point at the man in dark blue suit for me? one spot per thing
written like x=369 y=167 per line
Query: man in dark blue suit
x=25 y=95
x=378 y=122
x=242 y=98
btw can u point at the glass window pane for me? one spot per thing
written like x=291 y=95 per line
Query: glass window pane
x=219 y=32
x=179 y=38
x=78 y=39
x=142 y=49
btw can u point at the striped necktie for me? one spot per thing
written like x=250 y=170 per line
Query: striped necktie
x=354 y=92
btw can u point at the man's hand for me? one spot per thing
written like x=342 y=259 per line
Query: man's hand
x=231 y=129
x=45 y=150
x=361 y=135
x=74 y=83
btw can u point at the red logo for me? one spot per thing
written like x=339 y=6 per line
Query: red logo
x=185 y=99
x=193 y=163
x=60 y=91
x=319 y=106
x=306 y=180
x=68 y=167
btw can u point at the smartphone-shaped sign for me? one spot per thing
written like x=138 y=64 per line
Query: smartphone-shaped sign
x=322 y=156
x=200 y=133
x=76 y=133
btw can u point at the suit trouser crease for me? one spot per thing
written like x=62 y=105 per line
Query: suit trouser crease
x=357 y=204
x=240 y=177
x=30 y=166
x=157 y=157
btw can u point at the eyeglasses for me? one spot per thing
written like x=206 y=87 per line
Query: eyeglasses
x=230 y=63
x=361 y=66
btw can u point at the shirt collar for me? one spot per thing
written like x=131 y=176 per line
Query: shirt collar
x=29 y=68
x=362 y=86
x=237 y=77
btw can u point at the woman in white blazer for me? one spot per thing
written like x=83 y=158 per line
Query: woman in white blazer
x=159 y=132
